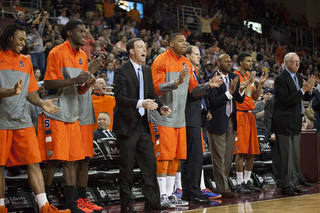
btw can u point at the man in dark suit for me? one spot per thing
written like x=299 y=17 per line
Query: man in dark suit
x=290 y=91
x=134 y=93
x=103 y=127
x=222 y=128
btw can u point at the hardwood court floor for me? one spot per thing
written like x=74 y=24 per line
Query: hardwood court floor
x=268 y=200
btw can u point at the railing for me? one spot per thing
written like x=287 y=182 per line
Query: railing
x=186 y=16
x=51 y=19
x=305 y=37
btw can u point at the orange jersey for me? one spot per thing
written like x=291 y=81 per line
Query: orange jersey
x=13 y=67
x=134 y=14
x=247 y=104
x=108 y=9
x=103 y=103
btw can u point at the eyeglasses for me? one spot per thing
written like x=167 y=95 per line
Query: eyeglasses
x=295 y=62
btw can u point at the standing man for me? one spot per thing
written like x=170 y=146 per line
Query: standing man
x=35 y=45
x=247 y=144
x=18 y=140
x=259 y=112
x=290 y=91
x=134 y=94
x=108 y=11
x=195 y=112
x=223 y=126
x=59 y=135
x=172 y=79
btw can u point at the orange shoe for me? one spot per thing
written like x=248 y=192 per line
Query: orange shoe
x=52 y=209
x=89 y=205
x=82 y=207
x=3 y=209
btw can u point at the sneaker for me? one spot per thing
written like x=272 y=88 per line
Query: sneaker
x=207 y=193
x=47 y=208
x=178 y=192
x=165 y=202
x=89 y=205
x=77 y=207
x=249 y=185
x=3 y=209
x=177 y=201
x=242 y=189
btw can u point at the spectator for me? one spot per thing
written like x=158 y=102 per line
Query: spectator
x=62 y=19
x=101 y=101
x=48 y=6
x=60 y=6
x=108 y=9
x=205 y=26
x=37 y=73
x=110 y=71
x=21 y=19
x=35 y=44
x=88 y=43
x=134 y=14
x=103 y=127
x=122 y=43
x=193 y=38
x=259 y=112
x=309 y=113
x=281 y=51
x=185 y=31
x=18 y=8
x=215 y=27
x=157 y=25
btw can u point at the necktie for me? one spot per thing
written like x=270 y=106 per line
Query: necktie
x=296 y=82
x=106 y=132
x=203 y=102
x=228 y=105
x=141 y=90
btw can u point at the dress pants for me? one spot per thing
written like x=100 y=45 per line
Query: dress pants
x=289 y=150
x=222 y=150
x=191 y=168
x=138 y=147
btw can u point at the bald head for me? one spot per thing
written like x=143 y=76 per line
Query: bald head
x=292 y=62
x=100 y=86
x=224 y=63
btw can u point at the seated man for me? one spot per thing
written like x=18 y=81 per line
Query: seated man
x=103 y=127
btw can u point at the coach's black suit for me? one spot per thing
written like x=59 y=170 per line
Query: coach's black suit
x=191 y=167
x=286 y=124
x=133 y=134
x=221 y=131
x=99 y=134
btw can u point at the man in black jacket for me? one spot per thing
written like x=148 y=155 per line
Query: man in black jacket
x=134 y=94
x=287 y=120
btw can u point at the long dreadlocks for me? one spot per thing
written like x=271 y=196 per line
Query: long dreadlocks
x=7 y=35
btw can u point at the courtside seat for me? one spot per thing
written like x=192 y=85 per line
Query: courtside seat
x=114 y=174
x=207 y=168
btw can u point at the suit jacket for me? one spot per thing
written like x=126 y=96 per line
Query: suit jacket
x=126 y=90
x=316 y=108
x=195 y=117
x=268 y=112
x=99 y=134
x=217 y=106
x=287 y=117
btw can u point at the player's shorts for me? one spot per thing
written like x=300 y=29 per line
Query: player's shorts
x=169 y=142
x=246 y=139
x=87 y=136
x=59 y=140
x=19 y=147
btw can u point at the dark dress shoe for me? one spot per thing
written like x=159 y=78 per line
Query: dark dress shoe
x=199 y=200
x=288 y=192
x=306 y=184
x=149 y=207
x=229 y=194
x=129 y=209
x=299 y=190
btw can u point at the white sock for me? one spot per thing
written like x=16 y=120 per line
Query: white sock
x=239 y=177
x=247 y=175
x=1 y=201
x=177 y=183
x=202 y=184
x=41 y=199
x=162 y=181
x=170 y=184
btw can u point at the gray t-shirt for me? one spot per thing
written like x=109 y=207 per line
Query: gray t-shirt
x=36 y=38
x=260 y=121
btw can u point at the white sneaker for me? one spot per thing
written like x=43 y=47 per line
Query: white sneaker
x=177 y=201
x=165 y=202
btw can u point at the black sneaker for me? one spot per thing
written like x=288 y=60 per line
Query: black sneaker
x=242 y=189
x=249 y=185
x=74 y=208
